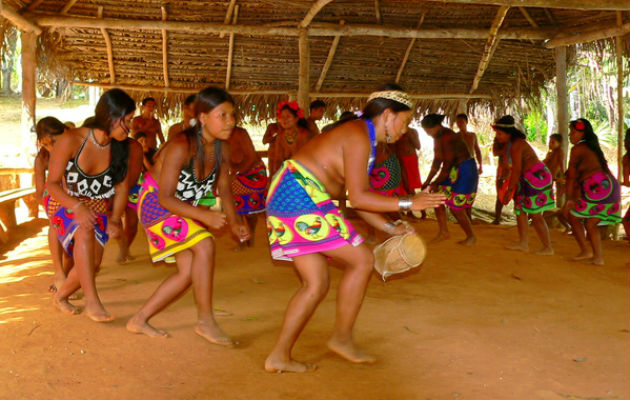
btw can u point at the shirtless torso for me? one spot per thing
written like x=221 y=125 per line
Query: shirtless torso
x=449 y=149
x=243 y=153
x=151 y=126
x=523 y=158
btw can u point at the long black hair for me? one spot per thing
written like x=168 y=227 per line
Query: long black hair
x=591 y=140
x=506 y=124
x=49 y=126
x=432 y=120
x=113 y=105
x=206 y=101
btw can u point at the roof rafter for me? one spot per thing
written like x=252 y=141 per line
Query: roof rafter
x=315 y=8
x=19 y=20
x=491 y=46
x=588 y=36
x=566 y=4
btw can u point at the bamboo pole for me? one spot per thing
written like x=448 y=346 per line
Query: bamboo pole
x=618 y=54
x=228 y=15
x=329 y=59
x=315 y=8
x=165 y=50
x=34 y=5
x=29 y=98
x=408 y=51
x=566 y=4
x=560 y=56
x=23 y=23
x=588 y=36
x=108 y=46
x=228 y=73
x=490 y=47
x=303 y=74
x=528 y=17
x=315 y=30
x=67 y=7
x=377 y=11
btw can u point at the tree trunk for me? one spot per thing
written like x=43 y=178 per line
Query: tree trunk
x=8 y=61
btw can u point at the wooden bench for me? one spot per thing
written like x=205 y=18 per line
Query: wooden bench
x=8 y=199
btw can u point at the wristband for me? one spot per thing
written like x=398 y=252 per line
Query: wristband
x=390 y=225
x=404 y=203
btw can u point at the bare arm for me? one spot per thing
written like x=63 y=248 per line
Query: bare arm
x=39 y=171
x=437 y=161
x=478 y=155
x=516 y=152
x=414 y=139
x=270 y=133
x=159 y=131
x=626 y=170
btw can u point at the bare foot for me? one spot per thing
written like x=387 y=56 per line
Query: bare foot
x=219 y=312
x=64 y=306
x=136 y=325
x=239 y=247
x=440 y=237
x=585 y=255
x=468 y=241
x=273 y=364
x=518 y=247
x=122 y=259
x=97 y=313
x=348 y=350
x=212 y=333
x=57 y=283
x=545 y=251
x=598 y=261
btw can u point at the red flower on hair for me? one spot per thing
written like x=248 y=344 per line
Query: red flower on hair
x=293 y=105
x=579 y=125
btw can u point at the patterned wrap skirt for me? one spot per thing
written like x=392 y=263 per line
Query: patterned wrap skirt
x=601 y=198
x=167 y=233
x=250 y=190
x=301 y=216
x=535 y=191
x=460 y=188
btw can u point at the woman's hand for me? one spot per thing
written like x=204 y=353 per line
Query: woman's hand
x=114 y=228
x=507 y=197
x=425 y=199
x=84 y=216
x=214 y=219
x=241 y=231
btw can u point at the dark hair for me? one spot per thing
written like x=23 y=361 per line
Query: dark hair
x=626 y=140
x=206 y=101
x=557 y=137
x=88 y=121
x=347 y=115
x=591 y=141
x=49 y=126
x=462 y=115
x=113 y=105
x=317 y=104
x=377 y=106
x=512 y=131
x=147 y=99
x=432 y=120
x=189 y=99
x=139 y=135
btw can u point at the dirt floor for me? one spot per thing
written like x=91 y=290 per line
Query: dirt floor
x=472 y=323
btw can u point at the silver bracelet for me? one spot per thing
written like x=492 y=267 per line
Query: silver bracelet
x=404 y=203
x=390 y=225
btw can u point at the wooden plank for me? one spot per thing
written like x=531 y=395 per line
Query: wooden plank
x=560 y=56
x=108 y=47
x=228 y=73
x=23 y=23
x=312 y=12
x=165 y=50
x=408 y=51
x=303 y=73
x=490 y=47
x=329 y=59
x=588 y=36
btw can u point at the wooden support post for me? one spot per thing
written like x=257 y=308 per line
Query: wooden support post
x=17 y=19
x=560 y=56
x=165 y=50
x=29 y=98
x=329 y=60
x=408 y=51
x=108 y=46
x=588 y=36
x=491 y=46
x=618 y=54
x=228 y=74
x=377 y=10
x=303 y=76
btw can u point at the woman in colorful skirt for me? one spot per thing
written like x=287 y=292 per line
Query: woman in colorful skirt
x=593 y=194
x=88 y=167
x=249 y=184
x=306 y=227
x=626 y=180
x=530 y=184
x=177 y=225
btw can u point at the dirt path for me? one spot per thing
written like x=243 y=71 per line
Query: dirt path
x=478 y=323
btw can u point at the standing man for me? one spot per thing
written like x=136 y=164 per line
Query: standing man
x=407 y=151
x=316 y=113
x=188 y=109
x=471 y=140
x=148 y=124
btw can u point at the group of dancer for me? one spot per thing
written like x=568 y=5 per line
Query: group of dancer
x=97 y=174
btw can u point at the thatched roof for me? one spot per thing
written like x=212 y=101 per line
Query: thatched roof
x=452 y=39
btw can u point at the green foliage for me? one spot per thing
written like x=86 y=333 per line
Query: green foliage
x=535 y=126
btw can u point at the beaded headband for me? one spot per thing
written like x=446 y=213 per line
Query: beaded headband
x=396 y=95
x=503 y=126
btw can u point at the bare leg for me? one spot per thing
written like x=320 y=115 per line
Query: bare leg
x=626 y=227
x=313 y=272
x=251 y=222
x=440 y=213
x=130 y=230
x=359 y=262
x=466 y=225
x=580 y=238
x=543 y=233
x=522 y=225
x=595 y=239
x=56 y=251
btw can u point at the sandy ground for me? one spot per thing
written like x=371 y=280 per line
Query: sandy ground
x=472 y=323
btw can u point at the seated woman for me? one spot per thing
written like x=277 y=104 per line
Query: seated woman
x=186 y=170
x=531 y=185
x=88 y=167
x=307 y=228
x=593 y=193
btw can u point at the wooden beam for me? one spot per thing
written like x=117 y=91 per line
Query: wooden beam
x=108 y=46
x=408 y=51
x=17 y=19
x=228 y=15
x=377 y=11
x=318 y=5
x=560 y=56
x=228 y=73
x=165 y=50
x=566 y=4
x=67 y=7
x=329 y=59
x=491 y=46
x=34 y=5
x=29 y=82
x=528 y=17
x=620 y=132
x=588 y=36
x=421 y=96
x=303 y=74
x=314 y=30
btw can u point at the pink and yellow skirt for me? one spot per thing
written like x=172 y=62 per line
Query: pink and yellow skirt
x=601 y=198
x=535 y=191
